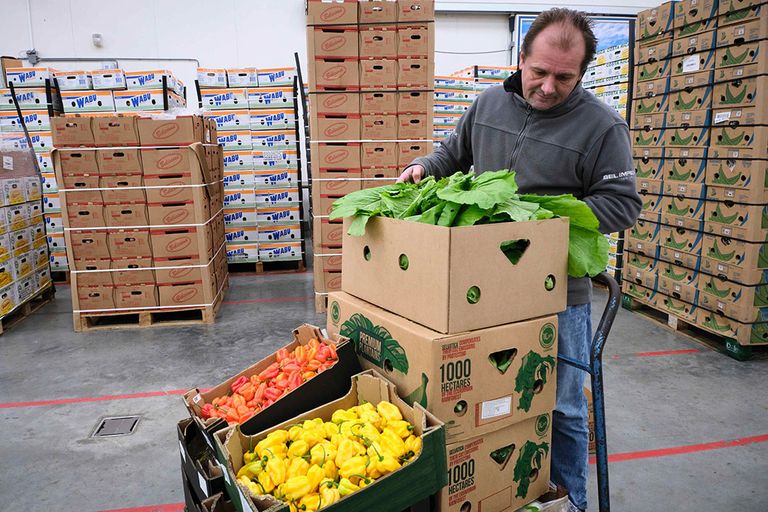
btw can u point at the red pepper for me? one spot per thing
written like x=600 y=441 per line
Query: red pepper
x=207 y=411
x=295 y=380
x=259 y=394
x=281 y=354
x=270 y=372
x=273 y=394
x=247 y=391
x=291 y=367
x=239 y=382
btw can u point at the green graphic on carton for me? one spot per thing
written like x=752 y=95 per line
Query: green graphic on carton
x=682 y=105
x=643 y=173
x=761 y=296
x=718 y=216
x=646 y=107
x=676 y=210
x=670 y=273
x=674 y=244
x=671 y=306
x=711 y=322
x=547 y=336
x=676 y=175
x=712 y=288
x=759 y=333
x=734 y=60
x=640 y=235
x=528 y=464
x=640 y=141
x=542 y=425
x=721 y=179
x=335 y=313
x=731 y=99
x=726 y=140
x=419 y=394
x=762 y=259
x=678 y=140
x=690 y=29
x=736 y=15
x=633 y=291
x=764 y=220
x=718 y=255
x=375 y=343
x=532 y=377
x=636 y=262
x=650 y=75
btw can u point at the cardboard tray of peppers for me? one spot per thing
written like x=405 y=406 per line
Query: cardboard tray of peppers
x=305 y=430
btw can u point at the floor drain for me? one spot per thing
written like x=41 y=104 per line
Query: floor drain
x=114 y=426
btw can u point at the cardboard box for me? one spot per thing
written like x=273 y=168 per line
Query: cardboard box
x=277 y=213
x=748 y=137
x=737 y=116
x=31 y=98
x=9 y=299
x=344 y=103
x=733 y=271
x=280 y=139
x=243 y=253
x=640 y=262
x=692 y=16
x=378 y=102
x=243 y=77
x=681 y=239
x=378 y=127
x=279 y=233
x=747 y=32
x=277 y=77
x=34 y=120
x=736 y=301
x=23 y=266
x=745 y=57
x=124 y=189
x=239 y=197
x=691 y=208
x=443 y=380
x=653 y=53
x=739 y=10
x=407 y=151
x=87 y=101
x=337 y=12
x=682 y=189
x=198 y=463
x=91 y=299
x=653 y=22
x=7 y=274
x=118 y=162
x=131 y=271
x=695 y=83
x=737 y=220
x=77 y=189
x=129 y=243
x=182 y=242
x=744 y=334
x=238 y=160
x=378 y=154
x=680 y=258
x=179 y=131
x=271 y=97
x=108 y=79
x=696 y=98
x=153 y=79
x=415 y=102
x=378 y=41
x=88 y=244
x=72 y=132
x=654 y=104
x=240 y=234
x=268 y=119
x=282 y=251
x=648 y=138
x=327 y=234
x=647 y=186
x=415 y=10
x=416 y=40
x=137 y=296
x=126 y=215
x=448 y=306
x=236 y=139
x=652 y=71
x=273 y=178
x=274 y=196
x=377 y=11
x=218 y=99
x=336 y=155
x=230 y=119
x=414 y=126
x=650 y=121
x=754 y=193
x=28 y=77
x=88 y=215
x=330 y=74
x=329 y=42
x=240 y=216
x=694 y=63
x=335 y=127
x=741 y=92
x=689 y=118
x=329 y=261
x=115 y=131
x=651 y=88
x=415 y=72
x=76 y=162
x=673 y=273
x=686 y=137
x=379 y=73
x=212 y=77
x=239 y=179
x=645 y=231
x=187 y=294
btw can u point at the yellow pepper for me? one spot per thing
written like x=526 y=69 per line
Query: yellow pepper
x=330 y=429
x=251 y=469
x=313 y=436
x=277 y=436
x=413 y=446
x=298 y=448
x=322 y=452
x=255 y=487
x=340 y=416
x=387 y=465
x=266 y=482
x=295 y=432
x=366 y=407
x=346 y=487
x=347 y=449
x=313 y=423
x=297 y=467
x=329 y=494
x=276 y=470
x=267 y=452
x=388 y=411
x=353 y=466
x=400 y=427
x=315 y=474
x=391 y=443
x=367 y=432
x=310 y=503
x=330 y=469
x=249 y=456
x=296 y=488
x=348 y=428
x=371 y=417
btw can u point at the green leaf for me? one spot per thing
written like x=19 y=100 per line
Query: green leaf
x=448 y=215
x=519 y=210
x=377 y=344
x=357 y=226
x=514 y=249
x=430 y=216
x=587 y=252
x=359 y=201
x=470 y=215
x=488 y=190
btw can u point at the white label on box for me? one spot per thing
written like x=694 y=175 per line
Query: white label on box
x=680 y=223
x=224 y=470
x=722 y=117
x=682 y=188
x=678 y=288
x=720 y=305
x=739 y=31
x=196 y=399
x=730 y=193
x=738 y=72
x=677 y=255
x=8 y=163
x=721 y=268
x=496 y=408
x=246 y=506
x=727 y=231
x=203 y=484
x=181 y=450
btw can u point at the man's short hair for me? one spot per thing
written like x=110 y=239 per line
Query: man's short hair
x=578 y=20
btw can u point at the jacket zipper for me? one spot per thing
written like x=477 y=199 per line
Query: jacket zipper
x=518 y=143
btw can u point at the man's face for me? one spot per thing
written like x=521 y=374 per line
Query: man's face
x=549 y=72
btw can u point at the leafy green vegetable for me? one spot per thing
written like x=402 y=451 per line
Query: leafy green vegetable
x=467 y=200
x=531 y=458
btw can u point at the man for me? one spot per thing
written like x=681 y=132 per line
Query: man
x=560 y=140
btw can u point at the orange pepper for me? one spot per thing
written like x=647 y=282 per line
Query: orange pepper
x=247 y=391
x=300 y=353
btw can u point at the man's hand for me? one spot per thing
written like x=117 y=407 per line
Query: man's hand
x=413 y=174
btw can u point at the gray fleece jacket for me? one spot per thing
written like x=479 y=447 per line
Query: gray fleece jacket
x=580 y=147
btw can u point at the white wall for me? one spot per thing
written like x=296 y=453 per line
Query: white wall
x=232 y=33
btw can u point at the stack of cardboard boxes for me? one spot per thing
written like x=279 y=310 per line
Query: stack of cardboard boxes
x=421 y=311
x=24 y=269
x=255 y=114
x=701 y=153
x=39 y=102
x=143 y=215
x=371 y=73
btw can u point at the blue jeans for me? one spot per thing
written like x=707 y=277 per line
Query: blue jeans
x=570 y=435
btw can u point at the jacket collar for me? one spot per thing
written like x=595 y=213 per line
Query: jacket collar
x=514 y=85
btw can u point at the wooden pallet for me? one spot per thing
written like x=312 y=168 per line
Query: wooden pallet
x=84 y=322
x=60 y=276
x=266 y=267
x=37 y=301
x=704 y=337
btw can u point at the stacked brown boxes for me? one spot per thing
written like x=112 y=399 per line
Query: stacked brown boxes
x=700 y=143
x=371 y=73
x=442 y=329
x=143 y=214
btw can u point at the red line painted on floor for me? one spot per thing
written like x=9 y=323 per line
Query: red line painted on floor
x=679 y=450
x=265 y=301
x=266 y=274
x=103 y=398
x=660 y=353
x=170 y=507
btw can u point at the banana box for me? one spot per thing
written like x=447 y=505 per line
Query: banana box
x=651 y=137
x=688 y=207
x=653 y=71
x=280 y=251
x=737 y=220
x=243 y=253
x=279 y=233
x=268 y=119
x=32 y=188
x=274 y=77
x=679 y=221
x=74 y=80
x=747 y=137
x=75 y=102
x=28 y=77
x=230 y=119
x=24 y=264
x=240 y=160
x=678 y=307
x=234 y=198
x=649 y=161
x=238 y=179
x=7 y=273
x=746 y=32
x=690 y=15
x=650 y=121
x=6 y=246
x=108 y=79
x=9 y=300
x=271 y=98
x=13 y=191
x=270 y=178
x=238 y=216
x=748 y=58
x=274 y=196
x=680 y=258
x=689 y=118
x=21 y=241
x=44 y=161
x=207 y=77
x=678 y=290
x=35 y=98
x=42 y=277
x=41 y=141
x=645 y=231
x=641 y=262
x=694 y=63
x=655 y=22
x=744 y=190
x=58 y=261
x=243 y=77
x=741 y=92
x=34 y=120
x=744 y=334
x=54 y=222
x=236 y=140
x=686 y=137
x=277 y=214
x=682 y=239
x=267 y=140
x=240 y=234
x=743 y=303
x=223 y=99
x=694 y=98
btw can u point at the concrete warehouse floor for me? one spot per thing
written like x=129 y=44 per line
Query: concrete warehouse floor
x=677 y=403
